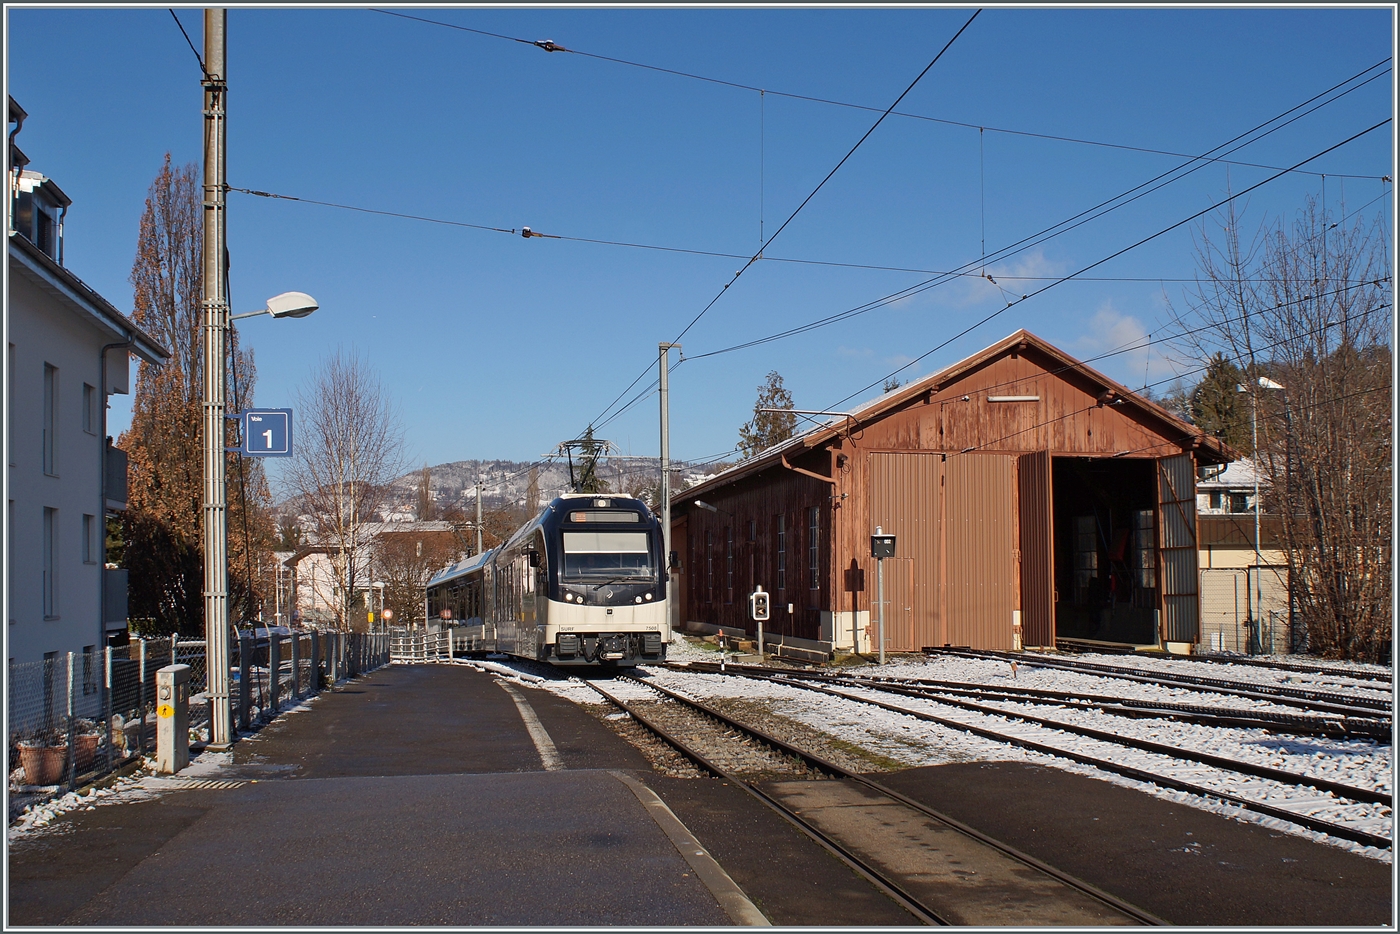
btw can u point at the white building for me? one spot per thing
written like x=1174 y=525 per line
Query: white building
x=68 y=349
x=1244 y=595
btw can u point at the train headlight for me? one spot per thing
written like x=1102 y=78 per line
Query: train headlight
x=648 y=596
x=636 y=599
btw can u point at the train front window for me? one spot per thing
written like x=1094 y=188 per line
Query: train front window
x=605 y=555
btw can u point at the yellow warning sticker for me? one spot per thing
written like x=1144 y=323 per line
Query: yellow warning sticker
x=164 y=711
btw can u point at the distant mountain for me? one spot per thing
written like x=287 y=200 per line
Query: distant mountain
x=507 y=482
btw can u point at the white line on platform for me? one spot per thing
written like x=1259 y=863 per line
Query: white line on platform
x=548 y=754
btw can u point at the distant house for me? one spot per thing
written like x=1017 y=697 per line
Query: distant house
x=68 y=350
x=313 y=588
x=1034 y=502
x=1244 y=596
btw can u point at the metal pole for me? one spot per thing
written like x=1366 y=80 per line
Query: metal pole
x=1258 y=558
x=478 y=528
x=107 y=707
x=216 y=634
x=665 y=361
x=880 y=598
x=141 y=701
x=72 y=731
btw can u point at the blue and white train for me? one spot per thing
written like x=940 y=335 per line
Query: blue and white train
x=583 y=583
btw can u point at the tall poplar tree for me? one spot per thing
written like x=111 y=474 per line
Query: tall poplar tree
x=162 y=527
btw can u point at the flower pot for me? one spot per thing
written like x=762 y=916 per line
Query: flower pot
x=85 y=749
x=43 y=765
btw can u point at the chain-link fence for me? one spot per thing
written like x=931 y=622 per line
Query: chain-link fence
x=75 y=716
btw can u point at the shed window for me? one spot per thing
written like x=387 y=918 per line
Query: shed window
x=728 y=564
x=709 y=566
x=814 y=578
x=782 y=552
x=1086 y=556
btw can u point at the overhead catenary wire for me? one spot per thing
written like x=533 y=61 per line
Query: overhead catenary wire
x=197 y=57
x=1044 y=234
x=549 y=45
x=796 y=211
x=1116 y=254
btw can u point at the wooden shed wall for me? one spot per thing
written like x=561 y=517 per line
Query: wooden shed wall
x=761 y=499
x=966 y=443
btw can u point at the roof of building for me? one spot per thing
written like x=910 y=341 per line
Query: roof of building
x=1237 y=475
x=34 y=264
x=879 y=406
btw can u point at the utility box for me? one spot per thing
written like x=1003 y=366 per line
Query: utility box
x=172 y=718
x=881 y=546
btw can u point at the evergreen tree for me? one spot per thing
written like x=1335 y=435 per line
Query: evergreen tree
x=766 y=429
x=1217 y=405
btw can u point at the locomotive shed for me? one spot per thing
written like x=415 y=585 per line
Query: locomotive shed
x=416 y=794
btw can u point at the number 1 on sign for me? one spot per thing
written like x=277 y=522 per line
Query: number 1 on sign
x=268 y=435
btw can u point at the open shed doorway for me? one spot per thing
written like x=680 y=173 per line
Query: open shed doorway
x=1105 y=541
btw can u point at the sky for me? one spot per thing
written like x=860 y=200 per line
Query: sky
x=493 y=345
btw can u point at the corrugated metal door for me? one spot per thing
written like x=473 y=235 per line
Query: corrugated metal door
x=980 y=537
x=898 y=608
x=905 y=490
x=1037 y=549
x=1176 y=484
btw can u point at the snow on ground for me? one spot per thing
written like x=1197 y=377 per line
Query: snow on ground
x=906 y=739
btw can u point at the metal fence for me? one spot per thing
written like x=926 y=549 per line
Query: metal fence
x=74 y=717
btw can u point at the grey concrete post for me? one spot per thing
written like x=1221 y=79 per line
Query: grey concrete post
x=296 y=666
x=274 y=672
x=172 y=719
x=107 y=708
x=141 y=699
x=72 y=731
x=245 y=678
x=315 y=674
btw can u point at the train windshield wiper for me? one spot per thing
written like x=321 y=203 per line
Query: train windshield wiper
x=617 y=580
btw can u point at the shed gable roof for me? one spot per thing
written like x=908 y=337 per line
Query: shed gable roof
x=1062 y=366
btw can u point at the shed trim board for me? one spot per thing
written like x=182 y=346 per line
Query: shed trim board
x=1069 y=511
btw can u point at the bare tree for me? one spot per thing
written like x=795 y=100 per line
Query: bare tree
x=1307 y=307
x=349 y=450
x=405 y=561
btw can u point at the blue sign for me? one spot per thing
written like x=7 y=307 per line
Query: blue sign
x=266 y=433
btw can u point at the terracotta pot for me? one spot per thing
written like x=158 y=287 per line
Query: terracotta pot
x=43 y=765
x=85 y=749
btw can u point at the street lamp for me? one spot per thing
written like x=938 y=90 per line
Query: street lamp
x=1263 y=382
x=215 y=306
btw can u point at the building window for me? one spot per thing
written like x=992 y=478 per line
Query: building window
x=50 y=545
x=89 y=539
x=814 y=577
x=729 y=564
x=1239 y=502
x=1086 y=556
x=89 y=669
x=1217 y=499
x=89 y=409
x=709 y=566
x=782 y=553
x=50 y=442
x=1145 y=555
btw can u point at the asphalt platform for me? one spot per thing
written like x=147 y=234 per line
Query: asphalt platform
x=416 y=795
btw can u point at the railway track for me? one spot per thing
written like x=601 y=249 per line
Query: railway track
x=1346 y=705
x=1274 y=721
x=1247 y=661
x=1049 y=896
x=1340 y=831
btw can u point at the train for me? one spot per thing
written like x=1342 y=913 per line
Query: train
x=582 y=583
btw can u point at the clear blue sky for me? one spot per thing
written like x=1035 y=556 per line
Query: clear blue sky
x=497 y=346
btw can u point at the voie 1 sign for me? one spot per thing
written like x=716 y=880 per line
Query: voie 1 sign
x=266 y=433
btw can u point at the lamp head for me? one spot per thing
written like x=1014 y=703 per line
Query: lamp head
x=706 y=506
x=291 y=305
